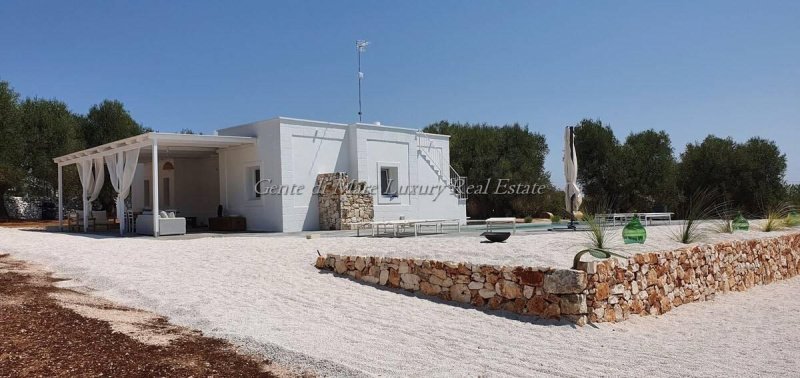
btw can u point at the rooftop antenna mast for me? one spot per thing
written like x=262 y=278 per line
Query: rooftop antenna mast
x=361 y=46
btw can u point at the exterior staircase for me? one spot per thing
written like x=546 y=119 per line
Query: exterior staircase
x=435 y=158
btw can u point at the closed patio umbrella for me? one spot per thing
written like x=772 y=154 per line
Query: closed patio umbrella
x=573 y=194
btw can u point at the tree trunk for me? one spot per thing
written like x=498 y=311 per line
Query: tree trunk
x=3 y=210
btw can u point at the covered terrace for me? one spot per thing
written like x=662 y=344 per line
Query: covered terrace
x=121 y=158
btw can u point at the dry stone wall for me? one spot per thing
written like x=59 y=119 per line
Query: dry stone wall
x=340 y=203
x=654 y=283
x=544 y=292
x=605 y=291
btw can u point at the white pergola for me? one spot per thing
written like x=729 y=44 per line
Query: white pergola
x=121 y=158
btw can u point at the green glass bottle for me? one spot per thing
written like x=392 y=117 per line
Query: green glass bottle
x=739 y=223
x=634 y=232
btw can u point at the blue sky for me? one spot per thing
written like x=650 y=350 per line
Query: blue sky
x=691 y=68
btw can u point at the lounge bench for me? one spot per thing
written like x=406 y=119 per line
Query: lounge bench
x=166 y=225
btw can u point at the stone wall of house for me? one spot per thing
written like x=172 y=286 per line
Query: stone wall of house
x=544 y=292
x=654 y=283
x=342 y=202
x=604 y=291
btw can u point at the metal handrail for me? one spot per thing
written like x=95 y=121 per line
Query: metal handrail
x=456 y=182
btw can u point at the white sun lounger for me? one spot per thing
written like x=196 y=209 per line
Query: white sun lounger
x=400 y=224
x=624 y=218
x=437 y=223
x=650 y=217
x=358 y=226
x=494 y=221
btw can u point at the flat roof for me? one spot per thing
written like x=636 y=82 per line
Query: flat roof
x=327 y=123
x=161 y=139
x=207 y=141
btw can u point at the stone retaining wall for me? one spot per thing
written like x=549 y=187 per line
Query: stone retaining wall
x=605 y=291
x=654 y=283
x=544 y=292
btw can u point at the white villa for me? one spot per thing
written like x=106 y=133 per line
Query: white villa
x=197 y=173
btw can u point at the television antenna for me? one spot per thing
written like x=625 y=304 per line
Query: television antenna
x=361 y=46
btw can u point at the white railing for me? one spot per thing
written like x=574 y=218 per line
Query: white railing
x=458 y=183
x=435 y=155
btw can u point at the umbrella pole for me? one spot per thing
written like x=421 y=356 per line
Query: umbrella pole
x=571 y=224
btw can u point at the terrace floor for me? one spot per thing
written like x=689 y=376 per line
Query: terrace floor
x=262 y=292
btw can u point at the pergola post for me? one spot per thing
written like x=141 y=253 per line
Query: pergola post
x=60 y=198
x=155 y=188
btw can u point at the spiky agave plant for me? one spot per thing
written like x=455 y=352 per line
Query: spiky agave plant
x=598 y=237
x=701 y=206
x=599 y=233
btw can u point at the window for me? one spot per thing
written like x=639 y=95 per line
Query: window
x=389 y=181
x=253 y=182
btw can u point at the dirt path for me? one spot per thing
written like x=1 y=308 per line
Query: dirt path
x=48 y=331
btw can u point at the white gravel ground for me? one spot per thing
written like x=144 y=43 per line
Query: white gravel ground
x=263 y=293
x=529 y=248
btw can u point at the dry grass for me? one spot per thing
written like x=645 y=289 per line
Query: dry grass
x=778 y=218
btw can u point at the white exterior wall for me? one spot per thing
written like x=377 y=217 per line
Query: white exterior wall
x=265 y=213
x=447 y=205
x=308 y=149
x=293 y=152
x=388 y=147
x=194 y=187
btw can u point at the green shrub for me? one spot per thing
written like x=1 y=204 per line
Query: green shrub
x=555 y=219
x=528 y=219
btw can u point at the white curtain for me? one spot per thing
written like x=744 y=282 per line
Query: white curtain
x=121 y=167
x=573 y=194
x=91 y=182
